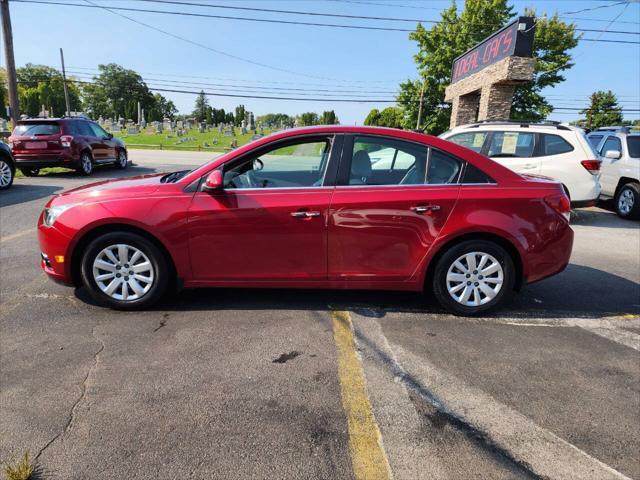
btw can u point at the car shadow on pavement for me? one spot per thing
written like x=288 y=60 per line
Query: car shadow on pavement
x=101 y=173
x=20 y=193
x=599 y=217
x=578 y=292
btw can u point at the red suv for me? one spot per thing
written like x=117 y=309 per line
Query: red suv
x=69 y=142
x=322 y=207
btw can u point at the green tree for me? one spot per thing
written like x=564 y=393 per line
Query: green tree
x=161 y=109
x=40 y=85
x=307 y=119
x=553 y=39
x=201 y=109
x=115 y=92
x=456 y=33
x=276 y=120
x=329 y=118
x=239 y=115
x=603 y=110
x=392 y=117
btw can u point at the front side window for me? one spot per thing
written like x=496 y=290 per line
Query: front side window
x=85 y=129
x=611 y=143
x=471 y=140
x=98 y=131
x=633 y=144
x=554 y=144
x=511 y=144
x=295 y=165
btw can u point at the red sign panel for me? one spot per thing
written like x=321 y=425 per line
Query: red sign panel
x=516 y=39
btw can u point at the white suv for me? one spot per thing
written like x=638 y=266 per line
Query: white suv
x=560 y=152
x=620 y=151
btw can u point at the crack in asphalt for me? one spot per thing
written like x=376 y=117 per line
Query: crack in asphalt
x=83 y=391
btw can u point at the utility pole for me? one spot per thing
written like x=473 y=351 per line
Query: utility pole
x=66 y=89
x=12 y=83
x=420 y=106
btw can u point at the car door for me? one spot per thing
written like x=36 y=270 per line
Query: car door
x=97 y=150
x=610 y=168
x=382 y=226
x=105 y=143
x=515 y=150
x=269 y=223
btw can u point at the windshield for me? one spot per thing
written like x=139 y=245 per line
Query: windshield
x=633 y=144
x=35 y=129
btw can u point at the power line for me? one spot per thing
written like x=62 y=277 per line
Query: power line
x=286 y=22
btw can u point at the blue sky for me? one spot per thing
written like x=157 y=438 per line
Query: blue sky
x=357 y=61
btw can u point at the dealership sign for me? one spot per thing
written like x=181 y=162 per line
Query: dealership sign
x=515 y=39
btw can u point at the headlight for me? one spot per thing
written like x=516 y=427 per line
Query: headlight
x=51 y=214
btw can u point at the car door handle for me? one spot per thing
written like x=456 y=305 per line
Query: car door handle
x=425 y=208
x=305 y=214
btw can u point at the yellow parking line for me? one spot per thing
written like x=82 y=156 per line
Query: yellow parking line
x=365 y=443
x=16 y=235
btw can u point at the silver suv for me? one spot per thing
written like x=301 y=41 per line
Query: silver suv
x=619 y=149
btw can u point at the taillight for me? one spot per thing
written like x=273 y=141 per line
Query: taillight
x=592 y=165
x=560 y=203
x=65 y=140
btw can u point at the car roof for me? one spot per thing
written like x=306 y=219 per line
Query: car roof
x=51 y=120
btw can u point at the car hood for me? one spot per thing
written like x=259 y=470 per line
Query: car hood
x=121 y=188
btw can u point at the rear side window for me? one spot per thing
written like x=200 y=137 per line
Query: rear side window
x=443 y=169
x=383 y=161
x=473 y=174
x=633 y=143
x=471 y=140
x=611 y=143
x=554 y=144
x=511 y=144
x=595 y=140
x=35 y=129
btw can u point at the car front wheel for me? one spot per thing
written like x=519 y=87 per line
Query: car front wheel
x=473 y=277
x=628 y=201
x=124 y=271
x=6 y=174
x=122 y=162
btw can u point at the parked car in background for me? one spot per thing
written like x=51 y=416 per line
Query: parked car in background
x=70 y=142
x=7 y=166
x=305 y=208
x=550 y=149
x=596 y=136
x=620 y=179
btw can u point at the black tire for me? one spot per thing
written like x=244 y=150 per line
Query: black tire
x=156 y=258
x=7 y=173
x=122 y=161
x=440 y=284
x=86 y=164
x=629 y=192
x=30 y=172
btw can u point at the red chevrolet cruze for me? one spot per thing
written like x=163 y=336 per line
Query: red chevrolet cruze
x=321 y=207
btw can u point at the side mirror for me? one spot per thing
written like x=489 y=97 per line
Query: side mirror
x=214 y=182
x=109 y=136
x=613 y=154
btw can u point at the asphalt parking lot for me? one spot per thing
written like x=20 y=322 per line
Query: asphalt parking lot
x=281 y=384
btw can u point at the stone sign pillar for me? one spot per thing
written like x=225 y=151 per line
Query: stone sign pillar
x=485 y=77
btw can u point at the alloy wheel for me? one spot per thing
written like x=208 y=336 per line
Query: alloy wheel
x=474 y=279
x=5 y=174
x=625 y=201
x=122 y=159
x=123 y=272
x=87 y=167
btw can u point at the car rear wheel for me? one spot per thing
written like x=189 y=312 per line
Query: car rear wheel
x=627 y=202
x=124 y=271
x=122 y=162
x=6 y=174
x=30 y=172
x=473 y=277
x=86 y=164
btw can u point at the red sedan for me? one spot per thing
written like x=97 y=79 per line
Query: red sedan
x=321 y=207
